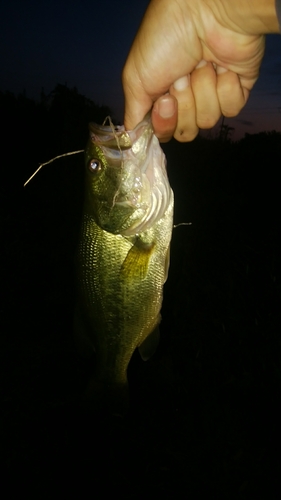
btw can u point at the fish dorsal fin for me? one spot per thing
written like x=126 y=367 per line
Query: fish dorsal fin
x=135 y=265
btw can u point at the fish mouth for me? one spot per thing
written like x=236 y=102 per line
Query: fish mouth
x=145 y=180
x=143 y=189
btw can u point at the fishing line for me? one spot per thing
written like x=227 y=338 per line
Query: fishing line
x=182 y=224
x=113 y=129
x=50 y=161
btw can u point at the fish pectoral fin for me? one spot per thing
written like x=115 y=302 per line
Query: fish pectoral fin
x=136 y=262
x=148 y=347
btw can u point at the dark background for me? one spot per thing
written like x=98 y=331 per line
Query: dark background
x=204 y=416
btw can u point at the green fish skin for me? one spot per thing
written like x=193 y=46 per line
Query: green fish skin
x=123 y=254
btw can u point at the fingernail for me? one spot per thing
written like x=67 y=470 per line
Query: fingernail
x=220 y=70
x=166 y=107
x=181 y=84
x=201 y=64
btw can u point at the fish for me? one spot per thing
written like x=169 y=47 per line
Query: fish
x=123 y=253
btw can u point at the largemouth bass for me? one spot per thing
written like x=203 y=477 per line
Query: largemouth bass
x=123 y=255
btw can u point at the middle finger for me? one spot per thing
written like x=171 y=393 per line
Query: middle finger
x=204 y=87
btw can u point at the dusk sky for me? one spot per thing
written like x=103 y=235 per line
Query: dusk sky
x=85 y=44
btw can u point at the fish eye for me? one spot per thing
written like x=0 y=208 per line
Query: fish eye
x=94 y=165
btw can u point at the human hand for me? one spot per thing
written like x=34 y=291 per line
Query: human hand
x=193 y=60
